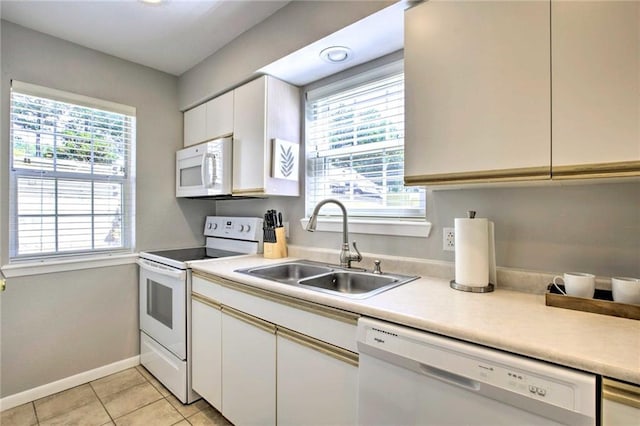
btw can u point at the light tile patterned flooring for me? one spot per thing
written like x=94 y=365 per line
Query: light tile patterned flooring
x=131 y=397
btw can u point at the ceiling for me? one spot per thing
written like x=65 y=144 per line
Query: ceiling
x=372 y=37
x=176 y=35
x=172 y=36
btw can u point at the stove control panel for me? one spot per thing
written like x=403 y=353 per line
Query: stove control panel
x=238 y=228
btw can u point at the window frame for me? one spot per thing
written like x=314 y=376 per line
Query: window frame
x=126 y=182
x=397 y=224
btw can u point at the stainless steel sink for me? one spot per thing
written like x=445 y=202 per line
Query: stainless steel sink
x=354 y=284
x=288 y=273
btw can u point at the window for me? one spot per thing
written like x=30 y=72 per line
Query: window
x=72 y=174
x=355 y=147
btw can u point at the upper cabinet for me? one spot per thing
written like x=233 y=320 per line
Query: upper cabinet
x=209 y=121
x=264 y=118
x=265 y=137
x=494 y=92
x=595 y=51
x=477 y=91
x=195 y=125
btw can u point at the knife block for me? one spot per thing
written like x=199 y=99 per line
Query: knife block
x=278 y=249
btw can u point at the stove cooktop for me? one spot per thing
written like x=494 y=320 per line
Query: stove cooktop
x=182 y=255
x=191 y=254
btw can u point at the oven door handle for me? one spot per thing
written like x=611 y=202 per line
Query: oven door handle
x=160 y=269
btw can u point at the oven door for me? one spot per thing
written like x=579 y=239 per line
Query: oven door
x=163 y=300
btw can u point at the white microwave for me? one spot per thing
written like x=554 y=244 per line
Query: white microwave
x=204 y=170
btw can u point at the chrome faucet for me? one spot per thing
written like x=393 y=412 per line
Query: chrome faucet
x=346 y=257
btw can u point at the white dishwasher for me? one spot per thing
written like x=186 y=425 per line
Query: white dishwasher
x=410 y=377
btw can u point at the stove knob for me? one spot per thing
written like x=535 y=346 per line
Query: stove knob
x=247 y=228
x=240 y=228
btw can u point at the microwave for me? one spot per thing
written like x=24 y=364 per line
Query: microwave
x=204 y=170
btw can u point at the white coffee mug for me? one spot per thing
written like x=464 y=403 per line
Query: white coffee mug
x=577 y=284
x=626 y=290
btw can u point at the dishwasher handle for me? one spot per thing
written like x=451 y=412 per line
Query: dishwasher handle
x=449 y=377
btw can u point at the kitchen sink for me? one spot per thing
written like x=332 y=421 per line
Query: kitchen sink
x=288 y=273
x=354 y=284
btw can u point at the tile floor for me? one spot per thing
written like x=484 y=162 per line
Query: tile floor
x=131 y=397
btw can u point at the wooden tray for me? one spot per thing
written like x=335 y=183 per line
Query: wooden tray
x=602 y=303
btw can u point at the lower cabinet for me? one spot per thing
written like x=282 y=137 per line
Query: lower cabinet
x=620 y=403
x=317 y=382
x=264 y=362
x=206 y=354
x=248 y=369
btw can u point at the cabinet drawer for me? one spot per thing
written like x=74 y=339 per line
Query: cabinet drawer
x=206 y=288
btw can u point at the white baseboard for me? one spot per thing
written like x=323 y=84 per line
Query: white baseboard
x=67 y=383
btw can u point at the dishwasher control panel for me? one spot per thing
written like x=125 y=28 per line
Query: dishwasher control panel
x=525 y=383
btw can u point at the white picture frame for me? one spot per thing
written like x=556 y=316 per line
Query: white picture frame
x=285 y=160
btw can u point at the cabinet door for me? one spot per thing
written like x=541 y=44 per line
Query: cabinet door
x=249 y=138
x=317 y=382
x=249 y=373
x=206 y=353
x=620 y=403
x=477 y=90
x=264 y=109
x=595 y=49
x=195 y=125
x=219 y=116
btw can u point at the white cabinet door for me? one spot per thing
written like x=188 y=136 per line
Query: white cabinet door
x=195 y=122
x=620 y=403
x=595 y=49
x=317 y=383
x=249 y=369
x=206 y=352
x=477 y=90
x=249 y=137
x=264 y=109
x=219 y=116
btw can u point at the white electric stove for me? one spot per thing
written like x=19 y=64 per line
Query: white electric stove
x=165 y=288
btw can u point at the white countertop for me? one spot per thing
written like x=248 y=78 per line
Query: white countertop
x=513 y=321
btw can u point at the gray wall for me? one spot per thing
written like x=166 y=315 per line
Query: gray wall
x=588 y=227
x=67 y=323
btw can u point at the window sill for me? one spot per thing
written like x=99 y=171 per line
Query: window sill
x=395 y=227
x=22 y=269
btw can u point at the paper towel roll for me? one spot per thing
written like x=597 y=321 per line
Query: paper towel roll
x=472 y=252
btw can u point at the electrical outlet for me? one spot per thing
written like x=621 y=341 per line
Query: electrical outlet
x=448 y=239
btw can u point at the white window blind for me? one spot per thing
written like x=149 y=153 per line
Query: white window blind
x=72 y=174
x=355 y=147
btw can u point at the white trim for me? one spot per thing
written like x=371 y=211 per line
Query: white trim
x=396 y=227
x=67 y=383
x=369 y=76
x=72 y=98
x=46 y=266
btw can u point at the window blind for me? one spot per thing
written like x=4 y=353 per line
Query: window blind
x=355 y=148
x=72 y=174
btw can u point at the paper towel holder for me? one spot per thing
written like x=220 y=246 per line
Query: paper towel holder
x=471 y=214
x=486 y=289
